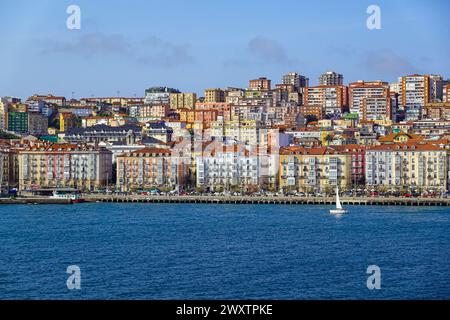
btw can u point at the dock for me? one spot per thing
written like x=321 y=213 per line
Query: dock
x=281 y=200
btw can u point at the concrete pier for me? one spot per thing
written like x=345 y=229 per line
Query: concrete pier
x=284 y=200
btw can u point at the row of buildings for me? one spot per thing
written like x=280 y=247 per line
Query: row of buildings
x=411 y=164
x=287 y=136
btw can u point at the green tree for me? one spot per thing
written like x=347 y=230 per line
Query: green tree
x=310 y=118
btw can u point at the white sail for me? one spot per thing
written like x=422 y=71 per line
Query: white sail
x=338 y=202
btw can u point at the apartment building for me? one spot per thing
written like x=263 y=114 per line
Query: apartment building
x=4 y=171
x=260 y=84
x=415 y=93
x=17 y=121
x=358 y=163
x=436 y=111
x=204 y=117
x=333 y=99
x=446 y=94
x=83 y=167
x=227 y=167
x=243 y=131
x=151 y=167
x=315 y=110
x=295 y=79
x=214 y=95
x=331 y=78
x=3 y=114
x=148 y=112
x=182 y=101
x=316 y=169
x=407 y=166
x=49 y=98
x=159 y=95
x=370 y=100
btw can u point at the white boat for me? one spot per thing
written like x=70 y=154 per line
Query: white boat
x=75 y=197
x=339 y=209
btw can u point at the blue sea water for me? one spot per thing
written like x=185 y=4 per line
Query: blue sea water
x=198 y=251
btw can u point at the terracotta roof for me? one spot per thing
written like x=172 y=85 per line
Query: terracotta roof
x=408 y=146
x=295 y=150
x=150 y=151
x=391 y=137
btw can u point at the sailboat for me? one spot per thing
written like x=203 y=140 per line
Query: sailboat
x=339 y=209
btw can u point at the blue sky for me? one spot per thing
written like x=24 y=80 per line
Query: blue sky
x=128 y=46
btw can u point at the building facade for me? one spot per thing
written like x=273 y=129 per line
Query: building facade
x=182 y=101
x=331 y=78
x=260 y=84
x=317 y=169
x=83 y=167
x=149 y=168
x=415 y=93
x=227 y=168
x=333 y=99
x=370 y=99
x=159 y=95
x=295 y=79
x=407 y=166
x=214 y=95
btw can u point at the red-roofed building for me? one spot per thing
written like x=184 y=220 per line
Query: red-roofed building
x=151 y=167
x=411 y=166
x=358 y=155
x=80 y=166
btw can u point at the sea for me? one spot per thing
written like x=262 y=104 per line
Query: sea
x=223 y=251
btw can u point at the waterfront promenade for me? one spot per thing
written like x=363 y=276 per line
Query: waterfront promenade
x=285 y=200
x=282 y=200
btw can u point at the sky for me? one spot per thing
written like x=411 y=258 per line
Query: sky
x=124 y=47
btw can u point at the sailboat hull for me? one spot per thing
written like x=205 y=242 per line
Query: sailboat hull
x=338 y=211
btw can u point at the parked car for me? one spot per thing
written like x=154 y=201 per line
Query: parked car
x=407 y=195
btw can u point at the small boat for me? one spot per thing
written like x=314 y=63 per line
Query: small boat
x=339 y=209
x=74 y=197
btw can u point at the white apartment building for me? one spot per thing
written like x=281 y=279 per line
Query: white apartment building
x=226 y=167
x=418 y=90
x=365 y=96
x=331 y=78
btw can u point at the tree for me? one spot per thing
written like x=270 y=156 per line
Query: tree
x=329 y=138
x=310 y=118
x=8 y=136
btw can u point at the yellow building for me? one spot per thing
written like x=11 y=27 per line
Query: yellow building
x=246 y=131
x=413 y=165
x=400 y=137
x=3 y=115
x=214 y=95
x=312 y=170
x=182 y=101
x=67 y=120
